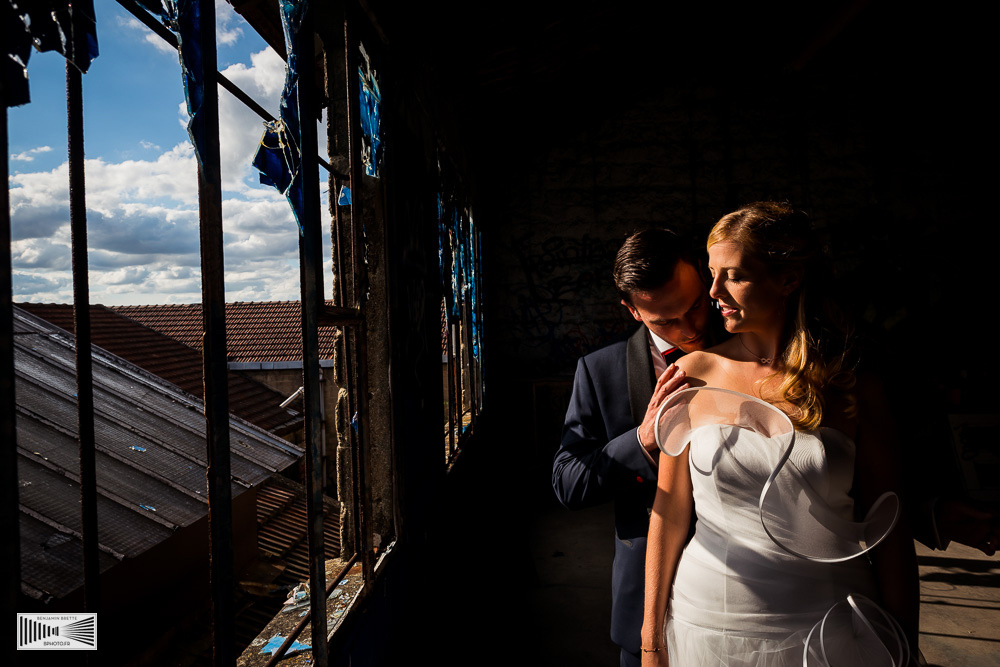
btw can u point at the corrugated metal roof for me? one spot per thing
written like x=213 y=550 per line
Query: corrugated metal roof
x=151 y=453
x=174 y=361
x=255 y=331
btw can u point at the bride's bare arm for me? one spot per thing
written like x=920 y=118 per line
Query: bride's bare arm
x=668 y=530
x=877 y=470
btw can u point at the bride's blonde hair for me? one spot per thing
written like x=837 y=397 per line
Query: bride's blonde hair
x=816 y=343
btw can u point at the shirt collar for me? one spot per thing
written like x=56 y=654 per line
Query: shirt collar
x=660 y=344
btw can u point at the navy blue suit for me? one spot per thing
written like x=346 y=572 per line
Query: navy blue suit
x=600 y=459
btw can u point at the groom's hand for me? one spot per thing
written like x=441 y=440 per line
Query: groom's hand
x=670 y=381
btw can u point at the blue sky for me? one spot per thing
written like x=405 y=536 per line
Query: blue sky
x=141 y=177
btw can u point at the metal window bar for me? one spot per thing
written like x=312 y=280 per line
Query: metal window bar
x=362 y=444
x=10 y=551
x=311 y=282
x=81 y=332
x=216 y=392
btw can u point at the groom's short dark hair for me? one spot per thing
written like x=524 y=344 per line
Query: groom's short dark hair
x=647 y=260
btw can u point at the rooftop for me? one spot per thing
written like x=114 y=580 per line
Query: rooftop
x=258 y=331
x=174 y=361
x=151 y=458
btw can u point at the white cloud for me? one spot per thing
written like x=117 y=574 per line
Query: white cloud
x=143 y=226
x=158 y=42
x=29 y=155
x=240 y=133
x=138 y=29
x=227 y=23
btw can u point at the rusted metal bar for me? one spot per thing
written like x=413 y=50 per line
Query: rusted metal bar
x=311 y=285
x=454 y=388
x=473 y=397
x=297 y=630
x=81 y=320
x=363 y=453
x=10 y=517
x=337 y=316
x=216 y=388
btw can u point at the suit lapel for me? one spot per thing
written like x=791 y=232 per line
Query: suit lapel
x=640 y=374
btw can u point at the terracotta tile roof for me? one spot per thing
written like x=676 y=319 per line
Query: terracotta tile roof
x=173 y=361
x=257 y=331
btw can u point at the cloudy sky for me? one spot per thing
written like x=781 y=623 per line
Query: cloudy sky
x=142 y=190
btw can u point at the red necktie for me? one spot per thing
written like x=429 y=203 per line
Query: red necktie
x=672 y=355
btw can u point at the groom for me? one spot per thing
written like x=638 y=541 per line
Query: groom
x=608 y=442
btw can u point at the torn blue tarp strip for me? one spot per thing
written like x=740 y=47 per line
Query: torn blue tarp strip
x=457 y=268
x=471 y=283
x=344 y=199
x=183 y=18
x=279 y=156
x=277 y=640
x=17 y=51
x=371 y=119
x=66 y=26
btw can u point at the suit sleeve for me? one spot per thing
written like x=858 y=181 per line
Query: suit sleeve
x=590 y=466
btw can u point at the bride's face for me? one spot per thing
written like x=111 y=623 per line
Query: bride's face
x=751 y=296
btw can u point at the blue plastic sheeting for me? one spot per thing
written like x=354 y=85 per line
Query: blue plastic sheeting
x=344 y=198
x=459 y=264
x=183 y=17
x=16 y=54
x=442 y=237
x=371 y=118
x=279 y=157
x=277 y=640
x=66 y=26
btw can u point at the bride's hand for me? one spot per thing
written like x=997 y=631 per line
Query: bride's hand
x=670 y=381
x=655 y=659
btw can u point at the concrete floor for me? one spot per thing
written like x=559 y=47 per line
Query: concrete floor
x=571 y=603
x=959 y=607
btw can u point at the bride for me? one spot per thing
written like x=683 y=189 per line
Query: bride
x=788 y=461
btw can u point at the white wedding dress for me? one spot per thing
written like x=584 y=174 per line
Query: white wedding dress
x=772 y=575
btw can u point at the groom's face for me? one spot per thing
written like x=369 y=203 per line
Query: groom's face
x=676 y=312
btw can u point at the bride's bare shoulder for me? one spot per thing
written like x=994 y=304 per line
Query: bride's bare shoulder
x=704 y=365
x=699 y=364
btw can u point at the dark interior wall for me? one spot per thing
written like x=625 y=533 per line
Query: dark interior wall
x=880 y=131
x=871 y=116
x=886 y=155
